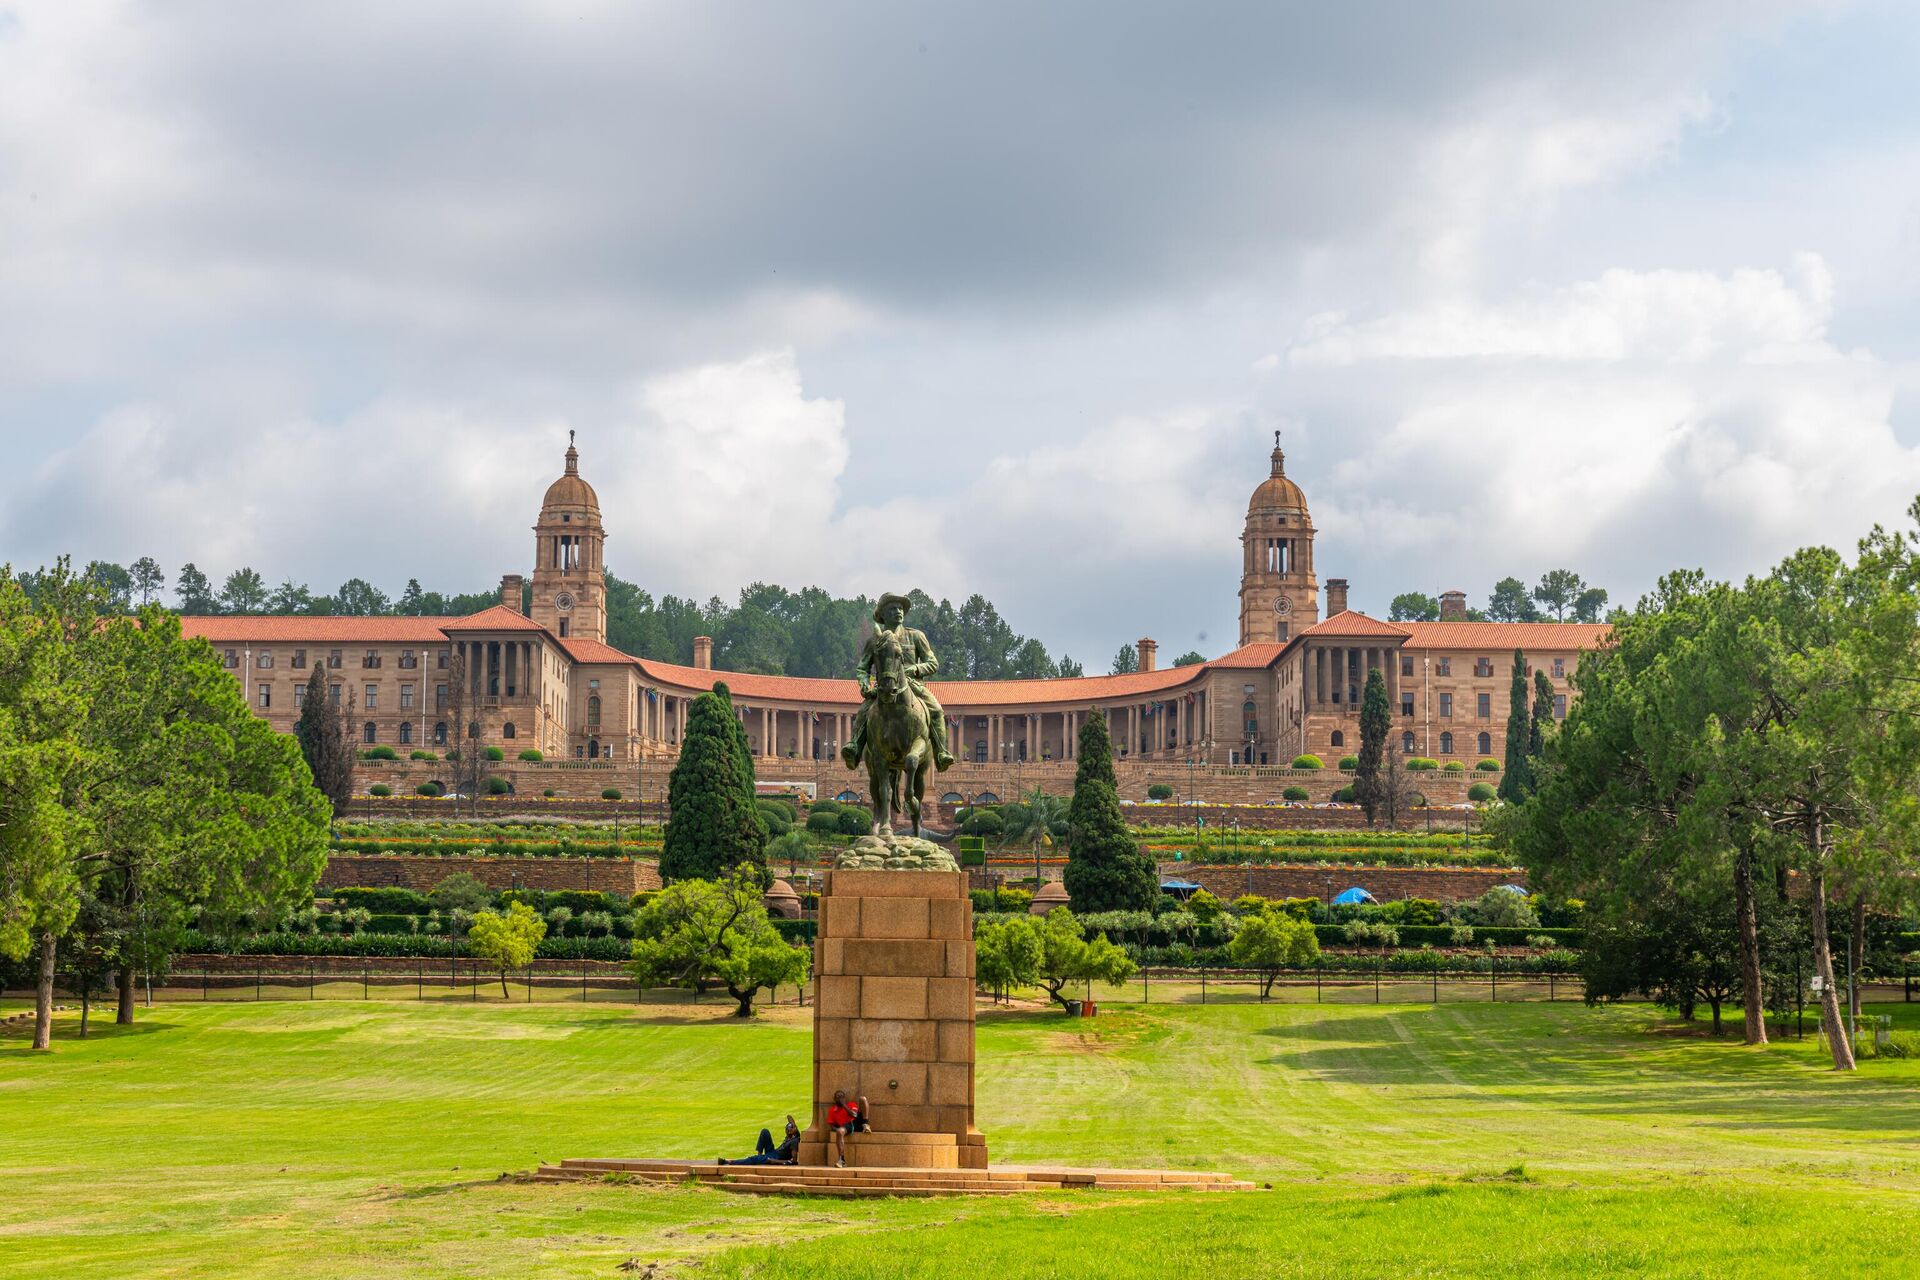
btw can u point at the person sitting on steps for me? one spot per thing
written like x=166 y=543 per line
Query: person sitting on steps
x=842 y=1119
x=788 y=1152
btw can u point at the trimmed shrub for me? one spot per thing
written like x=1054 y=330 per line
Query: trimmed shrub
x=418 y=754
x=1308 y=762
x=383 y=902
x=1481 y=792
x=1160 y=791
x=610 y=793
x=1422 y=764
x=1296 y=793
x=1349 y=763
x=771 y=804
x=495 y=753
x=380 y=789
x=823 y=805
x=532 y=755
x=1344 y=795
x=548 y=793
x=381 y=752
x=986 y=823
x=824 y=822
x=1488 y=766
x=497 y=785
x=854 y=821
x=1453 y=766
x=431 y=790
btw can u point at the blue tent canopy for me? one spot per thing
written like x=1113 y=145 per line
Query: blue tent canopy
x=1353 y=897
x=1178 y=886
x=1511 y=888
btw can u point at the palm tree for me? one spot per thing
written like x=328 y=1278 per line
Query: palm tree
x=1033 y=820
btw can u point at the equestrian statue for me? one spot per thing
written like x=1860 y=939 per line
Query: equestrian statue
x=900 y=731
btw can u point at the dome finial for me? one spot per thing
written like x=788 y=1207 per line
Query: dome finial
x=573 y=455
x=1279 y=458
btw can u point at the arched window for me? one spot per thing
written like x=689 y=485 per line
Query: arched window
x=368 y=733
x=593 y=710
x=1406 y=742
x=952 y=797
x=1339 y=738
x=506 y=730
x=1486 y=744
x=1446 y=744
x=406 y=733
x=440 y=733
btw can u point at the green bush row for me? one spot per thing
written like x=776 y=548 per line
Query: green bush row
x=391 y=945
x=1441 y=935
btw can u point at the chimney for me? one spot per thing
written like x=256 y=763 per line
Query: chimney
x=703 y=652
x=1149 y=653
x=1336 y=596
x=1453 y=606
x=510 y=590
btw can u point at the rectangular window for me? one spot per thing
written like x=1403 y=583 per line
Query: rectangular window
x=1559 y=706
x=299 y=695
x=1406 y=704
x=1486 y=706
x=563 y=625
x=371 y=659
x=406 y=697
x=441 y=660
x=373 y=697
x=264 y=661
x=230 y=659
x=333 y=659
x=1446 y=706
x=333 y=694
x=439 y=697
x=407 y=659
x=299 y=659
x=1443 y=666
x=1483 y=666
x=1406 y=664
x=1559 y=668
x=266 y=696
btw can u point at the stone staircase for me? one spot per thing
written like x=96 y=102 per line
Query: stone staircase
x=862 y=1181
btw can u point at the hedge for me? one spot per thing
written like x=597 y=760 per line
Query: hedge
x=1441 y=935
x=1307 y=762
x=1296 y=793
x=418 y=754
x=386 y=945
x=1159 y=791
x=409 y=902
x=610 y=793
x=431 y=790
x=382 y=752
x=823 y=821
x=532 y=755
x=1349 y=763
x=1481 y=792
x=1453 y=766
x=380 y=789
x=1344 y=795
x=495 y=753
x=498 y=786
x=1422 y=764
x=855 y=821
x=1488 y=766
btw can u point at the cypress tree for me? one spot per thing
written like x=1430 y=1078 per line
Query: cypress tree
x=1106 y=871
x=1094 y=761
x=1516 y=784
x=713 y=824
x=1542 y=720
x=325 y=741
x=1376 y=722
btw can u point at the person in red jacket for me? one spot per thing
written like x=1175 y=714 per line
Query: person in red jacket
x=844 y=1118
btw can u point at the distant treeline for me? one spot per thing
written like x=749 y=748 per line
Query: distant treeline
x=769 y=631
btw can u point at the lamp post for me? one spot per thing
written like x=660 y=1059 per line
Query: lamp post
x=1193 y=809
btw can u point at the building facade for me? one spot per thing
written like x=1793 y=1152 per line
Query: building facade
x=546 y=679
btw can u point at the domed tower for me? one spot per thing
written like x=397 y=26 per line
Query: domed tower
x=569 y=583
x=1278 y=595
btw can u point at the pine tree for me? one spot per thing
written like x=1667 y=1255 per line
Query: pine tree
x=193 y=594
x=1376 y=723
x=714 y=824
x=1516 y=784
x=326 y=741
x=1106 y=870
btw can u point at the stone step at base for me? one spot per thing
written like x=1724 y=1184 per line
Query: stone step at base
x=869 y=1180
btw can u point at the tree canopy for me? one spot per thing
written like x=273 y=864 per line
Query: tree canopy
x=696 y=932
x=1106 y=868
x=715 y=822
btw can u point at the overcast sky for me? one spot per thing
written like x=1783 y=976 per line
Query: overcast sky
x=983 y=297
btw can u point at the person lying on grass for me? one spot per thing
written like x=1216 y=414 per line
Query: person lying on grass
x=843 y=1119
x=764 y=1152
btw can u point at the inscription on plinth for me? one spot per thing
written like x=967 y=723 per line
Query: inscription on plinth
x=893 y=1017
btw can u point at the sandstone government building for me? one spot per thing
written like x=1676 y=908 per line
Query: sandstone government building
x=547 y=678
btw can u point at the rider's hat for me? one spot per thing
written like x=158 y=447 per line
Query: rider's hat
x=887 y=598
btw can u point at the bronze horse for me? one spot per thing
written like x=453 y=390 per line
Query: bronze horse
x=899 y=753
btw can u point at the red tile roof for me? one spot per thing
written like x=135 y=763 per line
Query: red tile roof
x=497 y=618
x=247 y=629
x=1506 y=635
x=593 y=651
x=1250 y=657
x=954 y=695
x=1352 y=623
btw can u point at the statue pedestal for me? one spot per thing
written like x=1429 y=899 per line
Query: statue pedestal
x=893 y=1018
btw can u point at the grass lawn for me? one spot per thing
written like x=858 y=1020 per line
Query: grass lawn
x=351 y=1138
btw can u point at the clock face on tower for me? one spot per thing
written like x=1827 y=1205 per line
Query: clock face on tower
x=564 y=601
x=1283 y=606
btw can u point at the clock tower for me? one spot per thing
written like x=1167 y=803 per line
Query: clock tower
x=569 y=575
x=1279 y=596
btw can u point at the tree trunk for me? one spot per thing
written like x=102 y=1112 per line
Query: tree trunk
x=1830 y=1021
x=504 y=994
x=1748 y=922
x=43 y=993
x=745 y=999
x=86 y=1002
x=1857 y=953
x=124 y=1014
x=1714 y=1001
